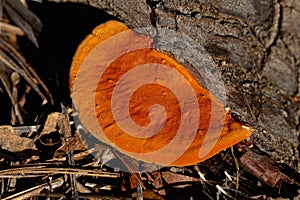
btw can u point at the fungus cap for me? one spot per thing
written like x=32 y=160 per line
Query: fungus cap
x=156 y=109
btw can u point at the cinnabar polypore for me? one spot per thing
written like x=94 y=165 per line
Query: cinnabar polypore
x=99 y=52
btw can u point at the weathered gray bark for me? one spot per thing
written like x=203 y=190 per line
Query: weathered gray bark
x=257 y=46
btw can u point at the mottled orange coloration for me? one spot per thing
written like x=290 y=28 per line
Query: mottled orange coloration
x=144 y=97
x=99 y=34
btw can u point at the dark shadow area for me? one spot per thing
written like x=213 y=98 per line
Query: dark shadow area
x=65 y=25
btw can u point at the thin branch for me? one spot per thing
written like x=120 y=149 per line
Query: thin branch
x=34 y=191
x=11 y=29
x=24 y=172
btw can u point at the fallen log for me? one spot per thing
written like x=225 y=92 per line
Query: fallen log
x=256 y=44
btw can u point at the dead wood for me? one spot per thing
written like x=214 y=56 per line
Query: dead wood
x=256 y=45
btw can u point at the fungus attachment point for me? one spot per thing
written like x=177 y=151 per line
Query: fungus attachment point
x=144 y=103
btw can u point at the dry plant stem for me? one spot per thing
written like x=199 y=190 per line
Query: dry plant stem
x=15 y=100
x=12 y=182
x=23 y=172
x=237 y=168
x=77 y=156
x=2 y=187
x=20 y=67
x=24 y=18
x=23 y=69
x=25 y=13
x=24 y=3
x=82 y=196
x=11 y=29
x=73 y=182
x=15 y=113
x=5 y=82
x=34 y=191
x=22 y=100
x=64 y=125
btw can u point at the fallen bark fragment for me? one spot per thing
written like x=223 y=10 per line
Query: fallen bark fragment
x=13 y=142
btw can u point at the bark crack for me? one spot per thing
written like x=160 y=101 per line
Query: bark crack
x=152 y=4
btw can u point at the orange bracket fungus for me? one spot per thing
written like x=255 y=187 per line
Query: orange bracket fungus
x=144 y=103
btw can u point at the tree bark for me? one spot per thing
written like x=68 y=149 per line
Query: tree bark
x=256 y=45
